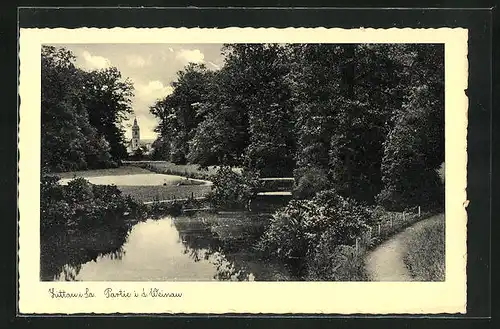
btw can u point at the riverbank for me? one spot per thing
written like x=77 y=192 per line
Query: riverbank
x=80 y=221
x=202 y=247
x=159 y=186
x=157 y=193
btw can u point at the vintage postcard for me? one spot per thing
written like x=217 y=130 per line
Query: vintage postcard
x=242 y=170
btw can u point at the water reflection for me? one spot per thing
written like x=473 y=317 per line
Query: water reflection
x=230 y=239
x=62 y=253
x=196 y=248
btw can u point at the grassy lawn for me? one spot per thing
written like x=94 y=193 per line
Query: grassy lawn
x=152 y=193
x=425 y=256
x=143 y=185
x=188 y=170
x=123 y=170
x=149 y=179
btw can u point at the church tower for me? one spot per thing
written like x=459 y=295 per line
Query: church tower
x=136 y=136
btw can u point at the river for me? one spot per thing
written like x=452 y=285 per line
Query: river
x=206 y=247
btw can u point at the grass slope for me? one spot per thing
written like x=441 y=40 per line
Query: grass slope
x=169 y=168
x=425 y=255
x=153 y=193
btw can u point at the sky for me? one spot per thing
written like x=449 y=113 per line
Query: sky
x=151 y=67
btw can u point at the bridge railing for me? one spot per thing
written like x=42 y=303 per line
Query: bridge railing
x=279 y=184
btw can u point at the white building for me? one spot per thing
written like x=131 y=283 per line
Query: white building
x=136 y=142
x=136 y=136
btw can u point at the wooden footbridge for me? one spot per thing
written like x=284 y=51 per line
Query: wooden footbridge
x=276 y=186
x=275 y=191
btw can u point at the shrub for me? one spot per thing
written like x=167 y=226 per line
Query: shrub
x=333 y=262
x=295 y=231
x=54 y=209
x=231 y=190
x=425 y=190
x=159 y=209
x=80 y=221
x=80 y=206
x=178 y=157
x=378 y=212
x=310 y=181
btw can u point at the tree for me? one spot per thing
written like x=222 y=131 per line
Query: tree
x=260 y=71
x=314 y=81
x=214 y=139
x=82 y=113
x=178 y=111
x=222 y=137
x=372 y=78
x=140 y=153
x=160 y=149
x=248 y=118
x=108 y=100
x=68 y=141
x=415 y=147
x=327 y=110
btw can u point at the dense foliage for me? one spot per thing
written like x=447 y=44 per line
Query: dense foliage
x=338 y=116
x=414 y=148
x=296 y=232
x=331 y=262
x=80 y=206
x=79 y=222
x=356 y=125
x=82 y=113
x=310 y=180
x=178 y=113
x=231 y=190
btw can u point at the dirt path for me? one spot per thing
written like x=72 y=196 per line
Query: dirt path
x=385 y=263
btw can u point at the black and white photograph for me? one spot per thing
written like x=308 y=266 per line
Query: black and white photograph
x=267 y=162
x=190 y=162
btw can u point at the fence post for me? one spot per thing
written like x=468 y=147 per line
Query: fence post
x=404 y=220
x=357 y=245
x=378 y=228
x=418 y=211
x=192 y=195
x=392 y=220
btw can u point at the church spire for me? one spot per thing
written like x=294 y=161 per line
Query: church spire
x=136 y=136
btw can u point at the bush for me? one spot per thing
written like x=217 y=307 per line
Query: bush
x=333 y=262
x=231 y=190
x=424 y=188
x=178 y=157
x=80 y=206
x=310 y=181
x=295 y=232
x=159 y=209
